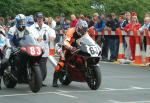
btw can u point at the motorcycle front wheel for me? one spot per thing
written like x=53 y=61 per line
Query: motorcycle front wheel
x=94 y=80
x=9 y=78
x=35 y=78
x=64 y=77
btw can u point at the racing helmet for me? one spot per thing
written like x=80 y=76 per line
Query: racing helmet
x=81 y=27
x=20 y=22
x=30 y=20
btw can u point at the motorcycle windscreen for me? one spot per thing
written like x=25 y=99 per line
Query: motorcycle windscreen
x=88 y=45
x=86 y=39
x=27 y=40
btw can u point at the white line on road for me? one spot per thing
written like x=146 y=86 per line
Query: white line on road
x=114 y=101
x=66 y=95
x=106 y=90
x=60 y=92
x=26 y=94
x=134 y=87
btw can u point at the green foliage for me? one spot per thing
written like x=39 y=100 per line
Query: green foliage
x=68 y=7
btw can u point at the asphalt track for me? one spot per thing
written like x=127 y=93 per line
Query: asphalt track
x=120 y=84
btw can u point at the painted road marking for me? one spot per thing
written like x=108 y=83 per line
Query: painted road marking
x=61 y=92
x=66 y=95
x=114 y=101
x=41 y=93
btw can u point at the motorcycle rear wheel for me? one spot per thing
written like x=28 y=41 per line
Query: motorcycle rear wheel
x=94 y=81
x=35 y=82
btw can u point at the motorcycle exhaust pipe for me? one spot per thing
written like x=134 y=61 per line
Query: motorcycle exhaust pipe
x=52 y=60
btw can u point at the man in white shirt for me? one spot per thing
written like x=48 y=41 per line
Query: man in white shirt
x=145 y=26
x=43 y=34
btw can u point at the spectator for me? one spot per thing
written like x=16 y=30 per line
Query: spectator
x=127 y=19
x=133 y=26
x=94 y=19
x=99 y=26
x=145 y=26
x=121 y=20
x=73 y=21
x=126 y=41
x=58 y=28
x=147 y=14
x=87 y=18
x=82 y=17
x=51 y=22
x=113 y=41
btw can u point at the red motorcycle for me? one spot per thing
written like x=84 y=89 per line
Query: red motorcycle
x=83 y=64
x=24 y=65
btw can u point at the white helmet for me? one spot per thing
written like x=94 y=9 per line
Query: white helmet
x=81 y=27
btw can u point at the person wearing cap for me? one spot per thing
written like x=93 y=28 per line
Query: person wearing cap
x=43 y=34
x=72 y=34
x=134 y=25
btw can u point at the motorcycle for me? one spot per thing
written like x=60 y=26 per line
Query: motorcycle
x=83 y=64
x=24 y=65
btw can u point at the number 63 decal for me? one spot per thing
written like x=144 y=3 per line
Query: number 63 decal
x=93 y=50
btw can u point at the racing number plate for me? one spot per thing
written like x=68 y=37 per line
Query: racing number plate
x=93 y=50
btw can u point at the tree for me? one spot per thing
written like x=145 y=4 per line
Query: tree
x=68 y=7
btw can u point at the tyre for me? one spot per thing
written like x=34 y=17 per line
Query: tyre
x=9 y=79
x=64 y=77
x=35 y=80
x=94 y=81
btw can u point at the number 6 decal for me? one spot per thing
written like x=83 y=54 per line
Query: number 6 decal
x=92 y=50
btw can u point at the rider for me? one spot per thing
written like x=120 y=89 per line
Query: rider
x=72 y=35
x=30 y=20
x=15 y=34
x=4 y=42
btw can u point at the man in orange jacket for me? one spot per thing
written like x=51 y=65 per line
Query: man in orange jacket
x=72 y=35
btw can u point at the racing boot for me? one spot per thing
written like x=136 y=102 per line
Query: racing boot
x=55 y=79
x=57 y=72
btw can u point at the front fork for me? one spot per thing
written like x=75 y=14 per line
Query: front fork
x=28 y=71
x=88 y=70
